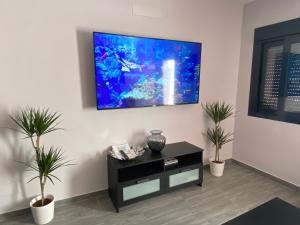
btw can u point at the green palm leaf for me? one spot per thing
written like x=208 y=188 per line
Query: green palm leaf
x=218 y=136
x=218 y=111
x=36 y=122
x=50 y=161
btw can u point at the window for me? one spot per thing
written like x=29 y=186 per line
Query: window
x=275 y=78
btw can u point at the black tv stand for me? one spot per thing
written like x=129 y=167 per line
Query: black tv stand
x=146 y=176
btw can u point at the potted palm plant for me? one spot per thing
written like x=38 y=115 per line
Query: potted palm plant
x=33 y=124
x=217 y=112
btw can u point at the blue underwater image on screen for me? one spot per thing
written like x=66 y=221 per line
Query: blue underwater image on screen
x=139 y=72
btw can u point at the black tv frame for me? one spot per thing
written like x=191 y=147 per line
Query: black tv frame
x=156 y=38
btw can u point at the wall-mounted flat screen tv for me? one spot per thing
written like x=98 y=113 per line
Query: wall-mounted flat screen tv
x=139 y=72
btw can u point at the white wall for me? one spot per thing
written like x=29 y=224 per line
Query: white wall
x=46 y=60
x=268 y=145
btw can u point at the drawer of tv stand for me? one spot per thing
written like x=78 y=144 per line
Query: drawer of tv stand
x=140 y=189
x=184 y=176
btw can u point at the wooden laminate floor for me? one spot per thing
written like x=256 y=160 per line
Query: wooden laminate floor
x=219 y=200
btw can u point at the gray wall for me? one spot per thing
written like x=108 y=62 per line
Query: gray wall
x=46 y=59
x=268 y=145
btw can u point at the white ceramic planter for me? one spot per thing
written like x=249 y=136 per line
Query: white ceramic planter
x=216 y=169
x=44 y=214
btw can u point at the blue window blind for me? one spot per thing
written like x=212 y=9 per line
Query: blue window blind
x=292 y=101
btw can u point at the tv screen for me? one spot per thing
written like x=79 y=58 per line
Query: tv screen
x=140 y=72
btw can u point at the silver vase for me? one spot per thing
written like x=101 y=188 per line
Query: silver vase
x=156 y=141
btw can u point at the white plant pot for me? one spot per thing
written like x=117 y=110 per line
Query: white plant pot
x=216 y=169
x=44 y=214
